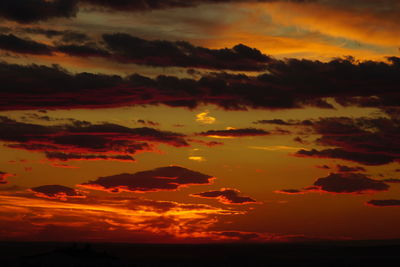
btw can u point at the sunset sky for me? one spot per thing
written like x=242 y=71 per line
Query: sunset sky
x=176 y=121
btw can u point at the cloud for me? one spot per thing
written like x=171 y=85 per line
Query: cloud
x=290 y=191
x=197 y=158
x=273 y=121
x=384 y=203
x=274 y=148
x=85 y=50
x=344 y=168
x=284 y=82
x=73 y=156
x=29 y=11
x=160 y=179
x=57 y=192
x=148 y=122
x=127 y=48
x=204 y=118
x=239 y=235
x=369 y=141
x=226 y=196
x=85 y=141
x=112 y=218
x=349 y=183
x=4 y=176
x=15 y=44
x=338 y=153
x=392 y=180
x=342 y=183
x=235 y=132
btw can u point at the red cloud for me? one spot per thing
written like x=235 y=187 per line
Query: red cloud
x=4 y=176
x=236 y=132
x=160 y=179
x=57 y=192
x=384 y=203
x=342 y=183
x=226 y=196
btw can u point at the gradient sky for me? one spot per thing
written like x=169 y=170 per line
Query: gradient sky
x=199 y=121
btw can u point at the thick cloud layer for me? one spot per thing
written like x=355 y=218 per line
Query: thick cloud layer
x=288 y=84
x=160 y=179
x=28 y=11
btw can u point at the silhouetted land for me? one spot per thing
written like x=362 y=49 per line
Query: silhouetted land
x=346 y=253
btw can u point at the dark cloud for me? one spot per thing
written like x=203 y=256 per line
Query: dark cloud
x=3 y=177
x=289 y=84
x=57 y=192
x=384 y=203
x=349 y=183
x=85 y=141
x=15 y=44
x=344 y=168
x=226 y=196
x=54 y=155
x=85 y=50
x=273 y=121
x=342 y=183
x=142 y=5
x=160 y=179
x=128 y=48
x=235 y=132
x=28 y=11
x=49 y=33
x=290 y=191
x=148 y=122
x=370 y=141
x=392 y=180
x=239 y=235
x=326 y=167
x=209 y=144
x=338 y=153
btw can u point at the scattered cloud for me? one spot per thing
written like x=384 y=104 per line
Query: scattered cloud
x=384 y=203
x=197 y=158
x=231 y=133
x=204 y=118
x=57 y=192
x=160 y=179
x=226 y=196
x=4 y=176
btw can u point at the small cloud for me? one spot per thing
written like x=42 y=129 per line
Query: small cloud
x=226 y=196
x=233 y=132
x=384 y=203
x=57 y=192
x=4 y=176
x=204 y=118
x=289 y=191
x=274 y=148
x=197 y=158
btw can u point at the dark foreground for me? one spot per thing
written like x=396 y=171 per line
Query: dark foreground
x=353 y=253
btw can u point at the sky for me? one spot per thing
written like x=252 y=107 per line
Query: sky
x=149 y=121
